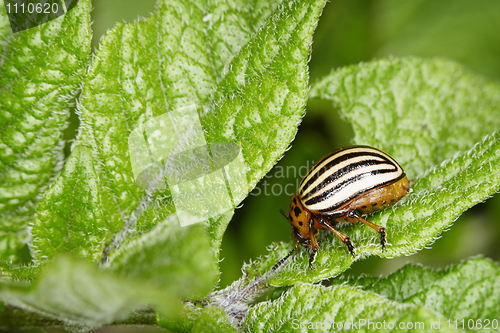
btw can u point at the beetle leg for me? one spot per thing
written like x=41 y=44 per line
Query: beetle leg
x=315 y=248
x=377 y=228
x=281 y=261
x=344 y=238
x=314 y=243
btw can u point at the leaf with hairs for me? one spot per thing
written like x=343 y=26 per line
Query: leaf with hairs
x=255 y=101
x=40 y=73
x=165 y=266
x=384 y=112
x=420 y=111
x=465 y=291
x=315 y=308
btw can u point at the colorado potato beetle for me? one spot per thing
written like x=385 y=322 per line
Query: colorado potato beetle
x=344 y=186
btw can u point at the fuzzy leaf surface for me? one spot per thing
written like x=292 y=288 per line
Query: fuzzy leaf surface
x=5 y=29
x=469 y=290
x=206 y=319
x=70 y=211
x=465 y=291
x=439 y=194
x=213 y=320
x=169 y=256
x=243 y=70
x=314 y=305
x=400 y=285
x=171 y=264
x=78 y=293
x=420 y=111
x=40 y=72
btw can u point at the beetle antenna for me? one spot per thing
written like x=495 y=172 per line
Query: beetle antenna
x=281 y=261
x=284 y=214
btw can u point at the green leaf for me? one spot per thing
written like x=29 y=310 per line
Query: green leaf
x=40 y=73
x=213 y=320
x=170 y=255
x=13 y=317
x=69 y=216
x=469 y=290
x=198 y=319
x=169 y=264
x=181 y=323
x=398 y=286
x=419 y=111
x=313 y=308
x=19 y=272
x=239 y=72
x=442 y=193
x=81 y=294
x=5 y=29
x=141 y=75
x=465 y=291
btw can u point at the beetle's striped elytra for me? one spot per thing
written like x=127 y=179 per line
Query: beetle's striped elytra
x=344 y=186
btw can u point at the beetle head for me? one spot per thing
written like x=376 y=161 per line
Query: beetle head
x=299 y=219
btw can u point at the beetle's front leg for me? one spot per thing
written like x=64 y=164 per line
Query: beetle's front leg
x=381 y=230
x=343 y=237
x=281 y=261
x=314 y=243
x=315 y=248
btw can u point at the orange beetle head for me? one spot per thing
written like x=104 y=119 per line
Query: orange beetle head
x=299 y=219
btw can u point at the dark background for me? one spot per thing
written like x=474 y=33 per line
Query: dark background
x=349 y=32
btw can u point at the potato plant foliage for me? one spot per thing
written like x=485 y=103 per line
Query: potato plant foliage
x=83 y=244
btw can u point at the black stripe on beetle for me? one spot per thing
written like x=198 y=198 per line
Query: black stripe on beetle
x=334 y=173
x=332 y=177
x=344 y=185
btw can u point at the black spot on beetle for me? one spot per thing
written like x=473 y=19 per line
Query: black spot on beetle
x=294 y=200
x=384 y=202
x=300 y=223
x=374 y=204
x=363 y=207
x=297 y=211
